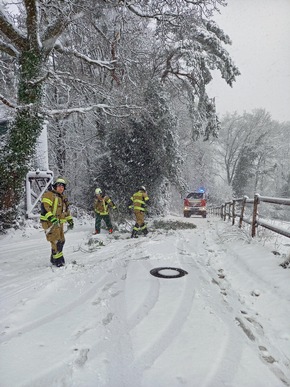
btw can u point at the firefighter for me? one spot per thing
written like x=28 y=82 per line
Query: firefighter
x=101 y=206
x=54 y=213
x=138 y=202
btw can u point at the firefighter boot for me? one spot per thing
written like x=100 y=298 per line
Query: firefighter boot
x=134 y=234
x=58 y=262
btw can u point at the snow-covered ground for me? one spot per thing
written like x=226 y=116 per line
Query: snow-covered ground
x=104 y=321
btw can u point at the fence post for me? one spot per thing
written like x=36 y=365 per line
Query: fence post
x=230 y=208
x=255 y=212
x=233 y=212
x=243 y=210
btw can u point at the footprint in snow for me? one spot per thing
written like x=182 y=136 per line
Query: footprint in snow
x=82 y=357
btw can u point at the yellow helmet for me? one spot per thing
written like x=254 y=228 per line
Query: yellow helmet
x=98 y=191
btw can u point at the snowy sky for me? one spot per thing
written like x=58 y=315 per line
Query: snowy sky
x=104 y=321
x=260 y=31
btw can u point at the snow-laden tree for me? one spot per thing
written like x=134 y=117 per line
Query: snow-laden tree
x=143 y=151
x=282 y=176
x=34 y=40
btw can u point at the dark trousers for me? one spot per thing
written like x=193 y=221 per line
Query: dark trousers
x=98 y=222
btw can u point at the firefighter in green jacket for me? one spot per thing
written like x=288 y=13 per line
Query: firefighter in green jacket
x=54 y=213
x=138 y=202
x=101 y=207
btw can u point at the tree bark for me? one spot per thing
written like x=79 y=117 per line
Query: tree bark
x=23 y=134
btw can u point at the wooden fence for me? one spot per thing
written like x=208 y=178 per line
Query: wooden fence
x=236 y=208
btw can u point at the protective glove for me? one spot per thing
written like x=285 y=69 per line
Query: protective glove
x=70 y=225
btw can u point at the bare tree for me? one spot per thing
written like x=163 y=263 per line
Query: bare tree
x=246 y=146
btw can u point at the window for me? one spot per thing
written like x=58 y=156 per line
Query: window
x=195 y=195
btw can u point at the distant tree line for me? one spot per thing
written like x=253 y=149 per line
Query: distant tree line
x=250 y=154
x=254 y=152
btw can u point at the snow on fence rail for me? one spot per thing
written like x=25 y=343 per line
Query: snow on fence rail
x=235 y=208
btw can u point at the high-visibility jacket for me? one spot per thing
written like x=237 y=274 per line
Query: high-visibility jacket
x=101 y=205
x=54 y=205
x=139 y=200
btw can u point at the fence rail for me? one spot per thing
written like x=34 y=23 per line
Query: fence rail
x=235 y=208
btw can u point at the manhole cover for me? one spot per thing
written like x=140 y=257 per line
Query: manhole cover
x=168 y=272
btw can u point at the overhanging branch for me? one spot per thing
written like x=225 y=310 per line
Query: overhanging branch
x=8 y=49
x=55 y=29
x=108 y=109
x=13 y=34
x=101 y=63
x=6 y=102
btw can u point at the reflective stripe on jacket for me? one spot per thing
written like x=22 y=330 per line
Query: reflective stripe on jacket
x=54 y=204
x=101 y=206
x=139 y=200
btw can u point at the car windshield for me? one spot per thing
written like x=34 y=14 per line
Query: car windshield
x=195 y=195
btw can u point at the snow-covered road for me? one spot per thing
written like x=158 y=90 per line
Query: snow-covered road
x=104 y=321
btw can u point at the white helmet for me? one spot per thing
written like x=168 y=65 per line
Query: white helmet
x=98 y=191
x=142 y=188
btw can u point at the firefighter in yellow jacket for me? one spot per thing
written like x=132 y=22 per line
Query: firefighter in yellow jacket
x=138 y=203
x=54 y=213
x=101 y=207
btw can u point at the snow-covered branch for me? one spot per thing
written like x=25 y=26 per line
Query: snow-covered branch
x=139 y=13
x=39 y=80
x=55 y=29
x=101 y=63
x=211 y=45
x=6 y=102
x=11 y=32
x=161 y=11
x=9 y=49
x=107 y=109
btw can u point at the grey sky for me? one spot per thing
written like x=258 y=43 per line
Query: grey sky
x=260 y=32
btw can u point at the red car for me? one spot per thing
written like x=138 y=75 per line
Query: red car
x=195 y=204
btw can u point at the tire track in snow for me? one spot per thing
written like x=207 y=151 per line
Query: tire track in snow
x=150 y=301
x=38 y=283
x=175 y=321
x=149 y=355
x=116 y=345
x=120 y=368
x=22 y=329
x=118 y=352
x=19 y=287
x=196 y=255
x=251 y=327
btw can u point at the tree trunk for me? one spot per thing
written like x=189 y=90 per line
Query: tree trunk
x=23 y=133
